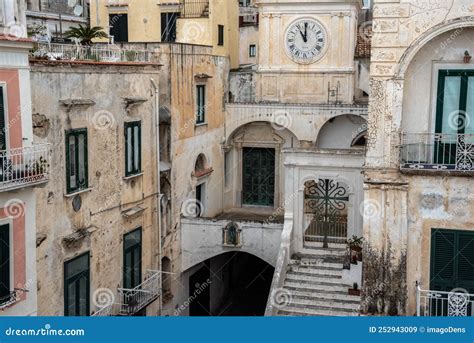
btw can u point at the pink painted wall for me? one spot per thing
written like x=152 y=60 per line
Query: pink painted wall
x=16 y=211
x=13 y=99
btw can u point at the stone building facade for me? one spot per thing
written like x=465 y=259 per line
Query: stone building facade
x=98 y=227
x=418 y=170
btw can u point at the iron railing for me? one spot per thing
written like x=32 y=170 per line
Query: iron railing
x=457 y=303
x=132 y=301
x=331 y=232
x=8 y=300
x=194 y=8
x=26 y=166
x=97 y=53
x=435 y=151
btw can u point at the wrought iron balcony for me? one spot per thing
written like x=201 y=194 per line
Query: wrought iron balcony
x=8 y=300
x=437 y=152
x=23 y=167
x=96 y=53
x=457 y=303
x=132 y=301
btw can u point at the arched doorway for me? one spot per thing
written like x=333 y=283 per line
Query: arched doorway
x=230 y=284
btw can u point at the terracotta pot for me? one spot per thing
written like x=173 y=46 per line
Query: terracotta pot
x=356 y=248
x=354 y=292
x=467 y=59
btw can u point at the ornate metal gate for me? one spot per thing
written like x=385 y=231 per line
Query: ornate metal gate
x=325 y=206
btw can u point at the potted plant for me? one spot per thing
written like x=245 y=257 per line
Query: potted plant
x=467 y=57
x=355 y=243
x=354 y=290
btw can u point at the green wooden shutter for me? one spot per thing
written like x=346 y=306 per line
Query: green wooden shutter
x=442 y=259
x=466 y=257
x=3 y=139
x=4 y=262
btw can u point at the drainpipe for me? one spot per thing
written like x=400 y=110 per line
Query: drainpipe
x=160 y=196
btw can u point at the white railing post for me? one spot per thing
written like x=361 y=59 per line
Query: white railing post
x=418 y=304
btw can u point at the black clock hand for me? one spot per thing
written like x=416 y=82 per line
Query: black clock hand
x=303 y=36
x=305 y=32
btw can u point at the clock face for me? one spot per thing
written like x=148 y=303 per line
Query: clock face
x=305 y=40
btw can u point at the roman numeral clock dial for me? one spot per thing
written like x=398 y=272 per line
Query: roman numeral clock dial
x=305 y=41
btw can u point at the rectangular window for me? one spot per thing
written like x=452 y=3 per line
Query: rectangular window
x=118 y=24
x=77 y=286
x=258 y=176
x=455 y=109
x=76 y=160
x=133 y=148
x=132 y=259
x=3 y=136
x=5 y=252
x=201 y=104
x=220 y=40
x=168 y=26
x=252 y=50
x=452 y=260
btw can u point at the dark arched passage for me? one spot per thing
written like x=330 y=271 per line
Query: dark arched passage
x=230 y=284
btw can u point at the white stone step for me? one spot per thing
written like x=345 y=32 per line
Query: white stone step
x=330 y=252
x=316 y=271
x=324 y=304
x=320 y=295
x=314 y=279
x=310 y=287
x=297 y=311
x=342 y=246
x=315 y=263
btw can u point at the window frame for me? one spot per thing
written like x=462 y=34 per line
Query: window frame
x=4 y=116
x=126 y=35
x=10 y=265
x=132 y=125
x=76 y=133
x=252 y=50
x=77 y=276
x=464 y=74
x=220 y=35
x=138 y=246
x=200 y=105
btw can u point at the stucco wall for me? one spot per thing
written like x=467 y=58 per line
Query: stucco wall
x=99 y=225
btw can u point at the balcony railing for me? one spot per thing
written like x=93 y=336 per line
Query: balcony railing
x=8 y=300
x=194 y=8
x=96 y=53
x=132 y=301
x=444 y=304
x=427 y=151
x=22 y=167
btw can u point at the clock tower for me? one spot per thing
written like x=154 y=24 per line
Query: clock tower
x=307 y=51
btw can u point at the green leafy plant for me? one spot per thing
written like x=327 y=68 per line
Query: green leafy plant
x=355 y=243
x=131 y=55
x=86 y=34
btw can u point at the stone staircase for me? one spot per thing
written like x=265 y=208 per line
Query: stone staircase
x=314 y=284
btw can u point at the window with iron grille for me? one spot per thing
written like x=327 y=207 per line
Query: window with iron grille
x=133 y=149
x=76 y=160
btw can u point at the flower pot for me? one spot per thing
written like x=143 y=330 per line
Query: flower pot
x=356 y=248
x=355 y=292
x=467 y=59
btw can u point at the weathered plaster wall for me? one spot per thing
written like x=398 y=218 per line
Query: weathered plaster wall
x=393 y=227
x=98 y=226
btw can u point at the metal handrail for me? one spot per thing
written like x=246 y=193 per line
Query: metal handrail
x=457 y=303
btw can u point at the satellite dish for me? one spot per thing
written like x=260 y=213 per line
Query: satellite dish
x=78 y=10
